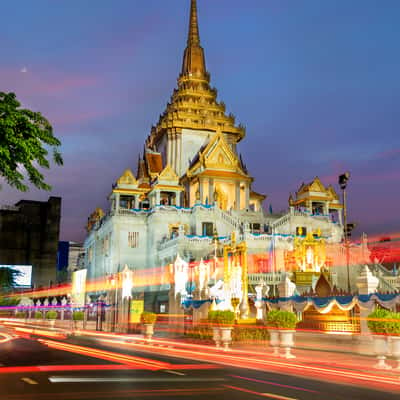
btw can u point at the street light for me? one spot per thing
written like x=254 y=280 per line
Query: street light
x=343 y=179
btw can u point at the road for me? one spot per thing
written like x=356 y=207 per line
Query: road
x=79 y=368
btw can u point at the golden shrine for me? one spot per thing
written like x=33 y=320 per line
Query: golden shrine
x=308 y=257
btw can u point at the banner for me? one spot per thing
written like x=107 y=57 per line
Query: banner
x=137 y=307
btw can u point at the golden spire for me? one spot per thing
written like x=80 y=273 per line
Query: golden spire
x=193 y=57
x=193 y=37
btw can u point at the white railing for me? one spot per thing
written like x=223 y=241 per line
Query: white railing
x=281 y=221
x=266 y=278
x=231 y=220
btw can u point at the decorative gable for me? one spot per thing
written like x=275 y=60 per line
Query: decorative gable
x=217 y=156
x=221 y=156
x=317 y=186
x=168 y=175
x=127 y=178
x=333 y=193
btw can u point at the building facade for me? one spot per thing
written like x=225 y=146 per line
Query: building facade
x=191 y=189
x=29 y=235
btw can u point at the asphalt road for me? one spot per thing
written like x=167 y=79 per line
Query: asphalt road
x=85 y=370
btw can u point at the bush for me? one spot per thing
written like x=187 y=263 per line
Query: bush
x=286 y=320
x=51 y=315
x=377 y=321
x=382 y=321
x=250 y=334
x=148 y=317
x=221 y=317
x=272 y=318
x=394 y=324
x=281 y=319
x=78 y=315
x=38 y=315
x=212 y=316
x=20 y=314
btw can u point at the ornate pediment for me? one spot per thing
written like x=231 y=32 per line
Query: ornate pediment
x=217 y=155
x=168 y=174
x=332 y=192
x=317 y=186
x=127 y=178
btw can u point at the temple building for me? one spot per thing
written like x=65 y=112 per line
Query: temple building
x=191 y=190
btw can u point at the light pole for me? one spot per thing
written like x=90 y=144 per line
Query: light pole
x=343 y=179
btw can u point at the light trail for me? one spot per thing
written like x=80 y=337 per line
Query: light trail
x=268 y=395
x=5 y=337
x=274 y=384
x=106 y=355
x=242 y=361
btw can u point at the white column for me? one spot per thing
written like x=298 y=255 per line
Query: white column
x=179 y=155
x=169 y=149
x=117 y=202
x=157 y=198
x=201 y=190
x=237 y=196
x=174 y=152
x=340 y=215
x=136 y=201
x=178 y=199
x=211 y=191
x=247 y=196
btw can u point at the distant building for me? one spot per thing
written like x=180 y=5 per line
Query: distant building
x=29 y=234
x=70 y=257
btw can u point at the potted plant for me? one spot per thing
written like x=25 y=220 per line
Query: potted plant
x=148 y=319
x=286 y=322
x=225 y=319
x=212 y=318
x=378 y=325
x=20 y=314
x=273 y=331
x=393 y=329
x=38 y=315
x=51 y=316
x=76 y=317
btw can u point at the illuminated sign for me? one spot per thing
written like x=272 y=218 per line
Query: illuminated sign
x=24 y=279
x=78 y=287
x=137 y=307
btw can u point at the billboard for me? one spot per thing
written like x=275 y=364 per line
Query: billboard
x=137 y=307
x=78 y=288
x=24 y=280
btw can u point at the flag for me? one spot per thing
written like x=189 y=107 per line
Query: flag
x=270 y=208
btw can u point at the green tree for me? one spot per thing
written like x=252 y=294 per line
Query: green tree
x=23 y=137
x=8 y=277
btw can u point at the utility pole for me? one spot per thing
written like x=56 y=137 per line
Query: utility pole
x=343 y=179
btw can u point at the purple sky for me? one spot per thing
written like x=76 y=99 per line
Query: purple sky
x=315 y=82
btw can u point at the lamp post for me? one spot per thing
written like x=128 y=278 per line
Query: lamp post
x=343 y=179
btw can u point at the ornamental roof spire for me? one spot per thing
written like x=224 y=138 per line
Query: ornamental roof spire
x=193 y=57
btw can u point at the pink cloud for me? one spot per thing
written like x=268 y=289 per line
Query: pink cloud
x=47 y=83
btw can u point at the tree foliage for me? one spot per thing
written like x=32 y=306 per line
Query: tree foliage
x=8 y=277
x=24 y=135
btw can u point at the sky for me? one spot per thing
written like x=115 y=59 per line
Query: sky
x=316 y=83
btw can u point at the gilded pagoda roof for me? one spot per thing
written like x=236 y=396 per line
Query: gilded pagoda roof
x=193 y=104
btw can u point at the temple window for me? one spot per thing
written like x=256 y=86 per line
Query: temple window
x=133 y=239
x=207 y=229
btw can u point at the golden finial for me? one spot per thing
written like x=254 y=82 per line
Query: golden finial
x=193 y=37
x=193 y=58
